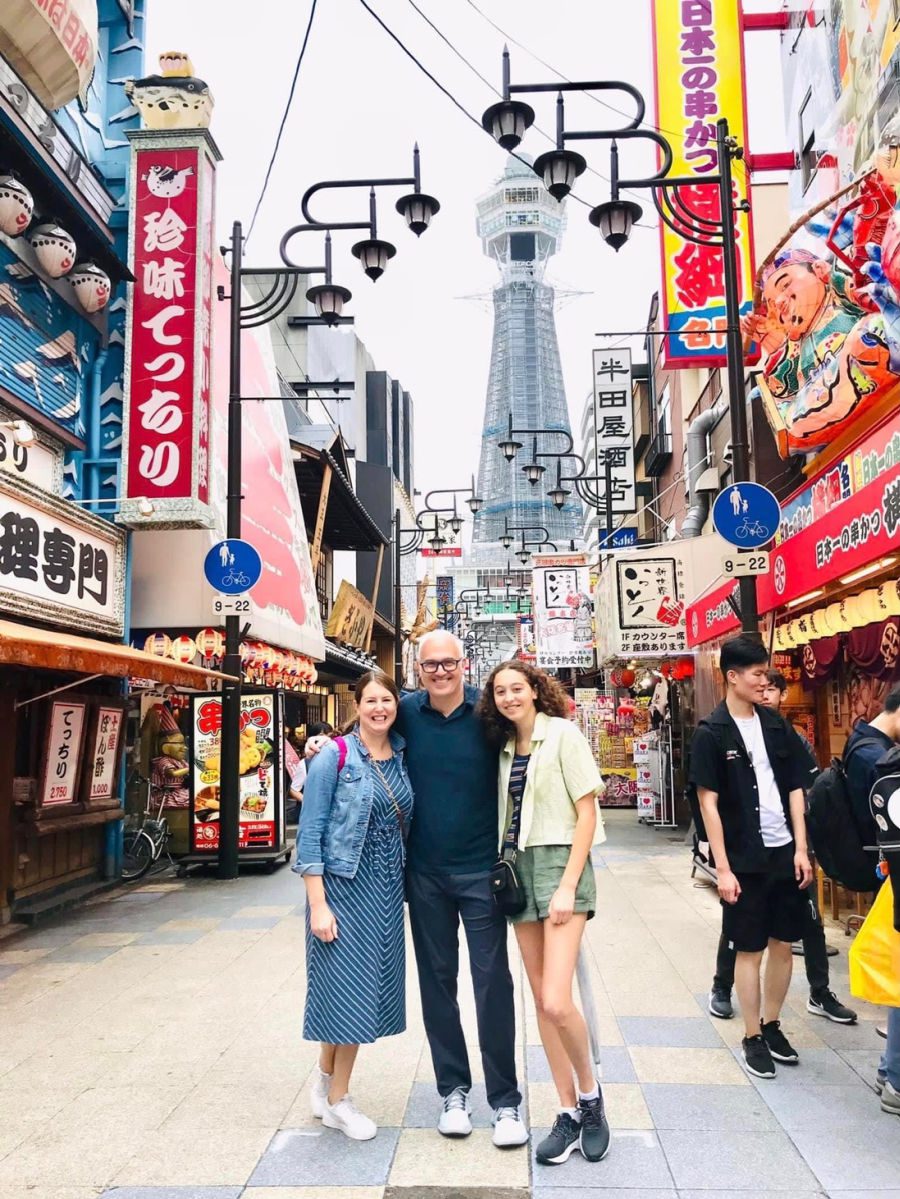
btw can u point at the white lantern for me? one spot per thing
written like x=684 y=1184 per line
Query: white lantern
x=838 y=618
x=869 y=607
x=54 y=249
x=91 y=286
x=16 y=206
x=819 y=624
x=889 y=599
x=799 y=631
x=853 y=612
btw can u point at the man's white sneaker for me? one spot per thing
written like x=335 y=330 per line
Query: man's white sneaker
x=455 y=1120
x=509 y=1129
x=318 y=1096
x=346 y=1118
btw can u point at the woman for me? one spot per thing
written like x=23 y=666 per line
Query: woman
x=548 y=822
x=357 y=804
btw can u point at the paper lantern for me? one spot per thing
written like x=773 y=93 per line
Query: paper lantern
x=210 y=643
x=91 y=286
x=292 y=667
x=16 y=206
x=869 y=607
x=838 y=618
x=54 y=249
x=628 y=677
x=779 y=640
x=799 y=631
x=183 y=650
x=819 y=624
x=889 y=599
x=158 y=644
x=853 y=612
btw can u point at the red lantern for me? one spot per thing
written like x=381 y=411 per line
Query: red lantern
x=628 y=677
x=615 y=677
x=210 y=643
x=666 y=670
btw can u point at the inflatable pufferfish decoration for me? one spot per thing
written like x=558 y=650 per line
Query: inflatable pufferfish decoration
x=173 y=99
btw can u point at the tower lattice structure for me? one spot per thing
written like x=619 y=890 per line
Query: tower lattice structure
x=520 y=225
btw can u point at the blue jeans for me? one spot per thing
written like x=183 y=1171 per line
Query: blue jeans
x=890 y=1061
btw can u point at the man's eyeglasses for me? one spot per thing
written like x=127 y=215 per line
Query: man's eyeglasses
x=447 y=665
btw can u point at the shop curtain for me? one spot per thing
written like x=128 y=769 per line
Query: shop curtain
x=875 y=649
x=820 y=661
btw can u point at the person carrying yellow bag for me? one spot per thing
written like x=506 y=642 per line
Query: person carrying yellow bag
x=875 y=954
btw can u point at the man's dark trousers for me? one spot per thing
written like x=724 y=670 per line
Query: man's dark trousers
x=815 y=953
x=437 y=902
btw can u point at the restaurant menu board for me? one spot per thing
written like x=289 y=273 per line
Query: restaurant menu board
x=103 y=759
x=258 y=764
x=64 y=742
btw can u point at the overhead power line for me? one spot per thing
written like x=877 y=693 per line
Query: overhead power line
x=284 y=117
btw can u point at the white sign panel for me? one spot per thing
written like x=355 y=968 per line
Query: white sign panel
x=614 y=427
x=105 y=754
x=58 y=563
x=39 y=463
x=737 y=565
x=63 y=753
x=230 y=605
x=563 y=611
x=650 y=600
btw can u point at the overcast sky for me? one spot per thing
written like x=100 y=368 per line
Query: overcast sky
x=359 y=107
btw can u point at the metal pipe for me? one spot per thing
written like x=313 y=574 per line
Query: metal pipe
x=697 y=456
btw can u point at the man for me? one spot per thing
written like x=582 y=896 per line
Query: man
x=822 y=1001
x=750 y=789
x=868 y=742
x=451 y=849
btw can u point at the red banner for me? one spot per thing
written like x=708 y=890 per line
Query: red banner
x=712 y=615
x=855 y=533
x=168 y=348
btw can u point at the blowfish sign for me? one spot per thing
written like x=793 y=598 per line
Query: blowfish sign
x=168 y=344
x=699 y=69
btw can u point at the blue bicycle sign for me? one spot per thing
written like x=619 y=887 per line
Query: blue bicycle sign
x=746 y=515
x=232 y=567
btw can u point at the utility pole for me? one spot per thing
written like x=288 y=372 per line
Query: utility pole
x=229 y=794
x=398 y=599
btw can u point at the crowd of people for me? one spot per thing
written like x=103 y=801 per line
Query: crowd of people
x=481 y=809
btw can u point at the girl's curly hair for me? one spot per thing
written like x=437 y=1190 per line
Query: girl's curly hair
x=551 y=699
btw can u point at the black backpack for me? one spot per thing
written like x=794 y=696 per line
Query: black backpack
x=834 y=832
x=885 y=809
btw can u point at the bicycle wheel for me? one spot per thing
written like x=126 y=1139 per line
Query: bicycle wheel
x=137 y=856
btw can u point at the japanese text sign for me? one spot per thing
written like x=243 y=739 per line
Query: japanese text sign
x=712 y=615
x=641 y=599
x=562 y=610
x=168 y=343
x=699 y=69
x=59 y=564
x=614 y=427
x=105 y=752
x=64 y=740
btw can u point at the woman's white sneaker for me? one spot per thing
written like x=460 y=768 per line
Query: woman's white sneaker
x=318 y=1096
x=346 y=1118
x=455 y=1118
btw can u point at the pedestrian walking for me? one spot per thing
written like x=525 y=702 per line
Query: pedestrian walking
x=749 y=781
x=351 y=852
x=822 y=1000
x=548 y=782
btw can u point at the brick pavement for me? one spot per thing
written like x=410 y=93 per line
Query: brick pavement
x=150 y=1049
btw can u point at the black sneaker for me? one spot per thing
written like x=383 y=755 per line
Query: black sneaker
x=594 y=1141
x=826 y=1003
x=756 y=1057
x=779 y=1046
x=562 y=1141
x=720 y=1004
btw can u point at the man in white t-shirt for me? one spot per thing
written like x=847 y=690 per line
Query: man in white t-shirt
x=749 y=785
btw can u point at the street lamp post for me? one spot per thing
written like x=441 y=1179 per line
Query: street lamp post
x=508 y=121
x=329 y=299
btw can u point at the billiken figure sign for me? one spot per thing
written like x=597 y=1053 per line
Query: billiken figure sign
x=168 y=339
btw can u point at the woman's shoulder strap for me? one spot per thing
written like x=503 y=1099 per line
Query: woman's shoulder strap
x=341 y=744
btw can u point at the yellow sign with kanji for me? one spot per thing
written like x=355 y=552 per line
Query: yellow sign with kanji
x=699 y=73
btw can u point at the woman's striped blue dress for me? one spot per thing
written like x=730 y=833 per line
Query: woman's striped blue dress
x=356 y=985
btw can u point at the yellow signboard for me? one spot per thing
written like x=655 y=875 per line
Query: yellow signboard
x=699 y=72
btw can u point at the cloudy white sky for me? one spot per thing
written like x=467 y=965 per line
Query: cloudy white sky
x=360 y=105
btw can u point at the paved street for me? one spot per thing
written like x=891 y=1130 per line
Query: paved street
x=150 y=1049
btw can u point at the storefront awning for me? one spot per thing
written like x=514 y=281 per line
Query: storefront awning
x=45 y=649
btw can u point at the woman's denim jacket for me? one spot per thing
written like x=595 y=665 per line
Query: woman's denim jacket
x=334 y=818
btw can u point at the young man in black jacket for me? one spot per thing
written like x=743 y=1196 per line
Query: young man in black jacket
x=822 y=1000
x=749 y=782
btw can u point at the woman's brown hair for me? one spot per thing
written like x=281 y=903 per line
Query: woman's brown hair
x=371 y=676
x=551 y=699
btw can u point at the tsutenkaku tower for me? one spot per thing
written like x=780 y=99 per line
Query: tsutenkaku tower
x=520 y=225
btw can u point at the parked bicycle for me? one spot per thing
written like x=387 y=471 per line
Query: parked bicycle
x=144 y=844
